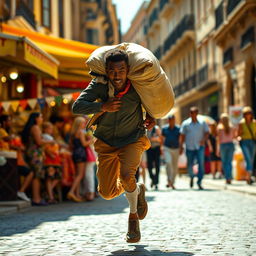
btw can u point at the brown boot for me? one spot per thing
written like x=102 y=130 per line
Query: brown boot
x=142 y=206
x=133 y=234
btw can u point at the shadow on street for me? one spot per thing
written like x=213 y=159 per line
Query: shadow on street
x=34 y=216
x=140 y=250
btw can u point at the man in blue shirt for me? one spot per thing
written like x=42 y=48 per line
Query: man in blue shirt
x=171 y=135
x=194 y=132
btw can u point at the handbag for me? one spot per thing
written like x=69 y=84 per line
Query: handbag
x=90 y=156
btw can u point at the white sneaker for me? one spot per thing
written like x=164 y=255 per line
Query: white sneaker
x=23 y=196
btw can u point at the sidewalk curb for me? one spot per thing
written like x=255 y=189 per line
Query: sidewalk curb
x=220 y=184
x=234 y=188
x=8 y=207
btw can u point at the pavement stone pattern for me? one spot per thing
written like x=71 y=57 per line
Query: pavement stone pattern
x=183 y=222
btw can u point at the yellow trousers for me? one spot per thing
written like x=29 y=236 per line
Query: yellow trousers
x=117 y=166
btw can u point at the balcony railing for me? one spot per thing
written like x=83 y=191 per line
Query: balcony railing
x=153 y=17
x=203 y=74
x=26 y=13
x=219 y=12
x=232 y=5
x=185 y=86
x=163 y=3
x=187 y=23
x=228 y=56
x=248 y=37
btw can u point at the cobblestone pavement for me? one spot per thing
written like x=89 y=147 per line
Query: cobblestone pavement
x=179 y=223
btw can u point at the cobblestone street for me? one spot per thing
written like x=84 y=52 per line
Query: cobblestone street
x=179 y=223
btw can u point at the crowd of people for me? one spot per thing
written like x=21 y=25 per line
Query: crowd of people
x=53 y=154
x=197 y=136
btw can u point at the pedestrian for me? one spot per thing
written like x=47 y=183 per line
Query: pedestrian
x=33 y=141
x=194 y=132
x=153 y=155
x=120 y=135
x=226 y=134
x=215 y=160
x=143 y=167
x=247 y=139
x=78 y=144
x=23 y=168
x=171 y=134
x=88 y=182
x=52 y=161
x=5 y=132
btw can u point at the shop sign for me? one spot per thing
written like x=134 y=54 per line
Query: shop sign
x=236 y=114
x=7 y=47
x=40 y=61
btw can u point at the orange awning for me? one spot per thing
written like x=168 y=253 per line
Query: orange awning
x=16 y=50
x=71 y=54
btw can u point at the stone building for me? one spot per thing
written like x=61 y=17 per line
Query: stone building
x=207 y=49
x=61 y=32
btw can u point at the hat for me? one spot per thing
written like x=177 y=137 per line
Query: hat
x=247 y=109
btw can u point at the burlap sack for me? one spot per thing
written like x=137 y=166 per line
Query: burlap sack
x=146 y=75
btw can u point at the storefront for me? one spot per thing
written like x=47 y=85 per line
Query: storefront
x=52 y=71
x=23 y=65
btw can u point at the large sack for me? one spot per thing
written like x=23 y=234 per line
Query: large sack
x=146 y=75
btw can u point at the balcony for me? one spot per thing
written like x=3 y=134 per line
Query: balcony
x=186 y=24
x=204 y=78
x=248 y=37
x=153 y=17
x=203 y=74
x=219 y=15
x=185 y=86
x=26 y=13
x=165 y=8
x=228 y=56
x=232 y=5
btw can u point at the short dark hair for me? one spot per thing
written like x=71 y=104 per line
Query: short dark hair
x=116 y=55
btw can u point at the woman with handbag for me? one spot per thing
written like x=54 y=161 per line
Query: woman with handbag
x=247 y=138
x=78 y=144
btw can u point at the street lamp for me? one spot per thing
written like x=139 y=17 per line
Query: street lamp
x=13 y=73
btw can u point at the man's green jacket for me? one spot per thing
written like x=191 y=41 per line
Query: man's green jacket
x=119 y=128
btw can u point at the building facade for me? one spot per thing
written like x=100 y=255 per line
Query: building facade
x=207 y=49
x=235 y=31
x=95 y=22
x=136 y=32
x=61 y=31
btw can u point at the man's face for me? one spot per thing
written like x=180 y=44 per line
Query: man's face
x=171 y=121
x=193 y=113
x=117 y=74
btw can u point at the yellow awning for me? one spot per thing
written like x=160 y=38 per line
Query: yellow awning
x=71 y=54
x=16 y=50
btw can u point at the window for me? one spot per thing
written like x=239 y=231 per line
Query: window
x=30 y=4
x=92 y=36
x=61 y=23
x=46 y=13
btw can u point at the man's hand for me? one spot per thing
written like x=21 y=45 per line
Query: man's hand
x=149 y=122
x=112 y=105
